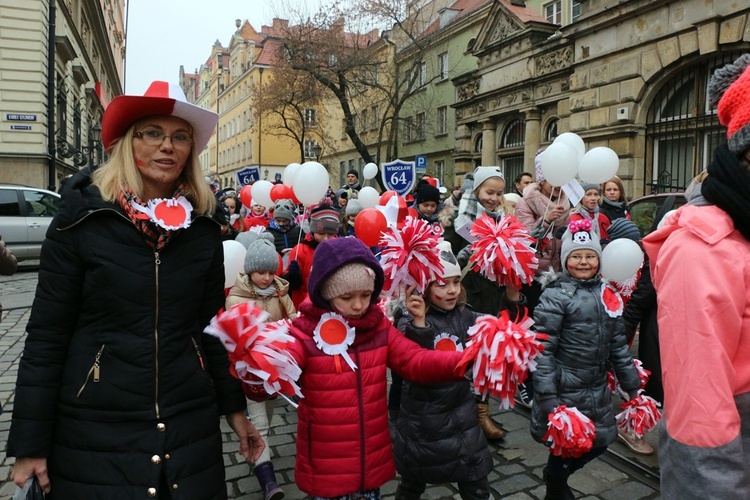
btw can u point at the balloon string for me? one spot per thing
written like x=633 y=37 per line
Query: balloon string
x=299 y=236
x=551 y=226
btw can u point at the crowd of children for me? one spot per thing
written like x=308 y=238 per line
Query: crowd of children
x=440 y=428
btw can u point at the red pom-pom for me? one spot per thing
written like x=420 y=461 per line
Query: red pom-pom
x=503 y=251
x=639 y=415
x=411 y=257
x=257 y=350
x=503 y=353
x=570 y=433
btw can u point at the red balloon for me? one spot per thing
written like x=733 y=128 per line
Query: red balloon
x=280 y=192
x=369 y=226
x=413 y=212
x=245 y=197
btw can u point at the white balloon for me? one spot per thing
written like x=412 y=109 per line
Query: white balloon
x=234 y=261
x=311 y=182
x=621 y=259
x=370 y=171
x=368 y=197
x=598 y=165
x=261 y=193
x=559 y=163
x=289 y=172
x=573 y=140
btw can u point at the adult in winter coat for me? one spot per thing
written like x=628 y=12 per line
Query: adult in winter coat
x=700 y=266
x=119 y=393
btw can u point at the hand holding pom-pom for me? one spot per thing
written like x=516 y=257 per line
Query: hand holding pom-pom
x=639 y=415
x=570 y=433
x=503 y=251
x=503 y=353
x=257 y=350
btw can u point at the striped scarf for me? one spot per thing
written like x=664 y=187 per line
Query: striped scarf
x=156 y=236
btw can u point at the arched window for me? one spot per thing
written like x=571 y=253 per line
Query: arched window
x=682 y=129
x=550 y=132
x=478 y=143
x=511 y=148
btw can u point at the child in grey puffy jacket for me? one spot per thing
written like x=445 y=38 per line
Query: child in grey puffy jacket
x=583 y=318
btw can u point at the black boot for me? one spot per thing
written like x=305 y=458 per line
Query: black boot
x=557 y=488
x=267 y=480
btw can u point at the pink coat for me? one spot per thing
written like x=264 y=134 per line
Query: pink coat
x=701 y=271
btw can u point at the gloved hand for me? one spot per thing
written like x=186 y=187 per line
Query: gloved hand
x=293 y=275
x=548 y=405
x=463 y=256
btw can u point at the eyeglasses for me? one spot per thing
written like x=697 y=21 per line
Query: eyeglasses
x=154 y=137
x=584 y=257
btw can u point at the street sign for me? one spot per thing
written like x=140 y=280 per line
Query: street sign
x=20 y=127
x=399 y=175
x=248 y=175
x=15 y=117
x=421 y=161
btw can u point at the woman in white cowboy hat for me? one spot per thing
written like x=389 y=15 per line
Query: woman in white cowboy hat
x=118 y=392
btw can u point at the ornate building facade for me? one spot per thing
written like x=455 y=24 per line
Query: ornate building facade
x=62 y=61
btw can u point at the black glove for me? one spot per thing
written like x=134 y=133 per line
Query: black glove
x=293 y=275
x=632 y=394
x=548 y=405
x=463 y=256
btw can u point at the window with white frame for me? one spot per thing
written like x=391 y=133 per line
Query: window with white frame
x=311 y=117
x=419 y=126
x=575 y=11
x=309 y=148
x=364 y=120
x=443 y=66
x=375 y=117
x=553 y=12
x=408 y=128
x=440 y=169
x=422 y=79
x=442 y=120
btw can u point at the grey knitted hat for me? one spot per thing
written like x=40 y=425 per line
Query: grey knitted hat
x=246 y=237
x=587 y=185
x=579 y=235
x=284 y=209
x=261 y=255
x=350 y=278
x=353 y=207
x=623 y=228
x=481 y=174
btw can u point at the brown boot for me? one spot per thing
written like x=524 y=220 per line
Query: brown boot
x=491 y=431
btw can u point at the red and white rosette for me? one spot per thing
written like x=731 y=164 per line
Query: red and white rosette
x=447 y=342
x=503 y=251
x=639 y=415
x=169 y=213
x=570 y=433
x=612 y=301
x=333 y=336
x=503 y=353
x=257 y=350
x=411 y=256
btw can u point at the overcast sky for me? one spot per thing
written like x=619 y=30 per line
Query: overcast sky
x=164 y=34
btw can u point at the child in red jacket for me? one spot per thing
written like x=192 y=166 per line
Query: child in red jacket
x=344 y=343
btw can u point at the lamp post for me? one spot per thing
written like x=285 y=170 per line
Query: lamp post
x=316 y=150
x=86 y=153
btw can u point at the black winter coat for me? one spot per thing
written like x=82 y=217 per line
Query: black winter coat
x=118 y=387
x=583 y=341
x=437 y=437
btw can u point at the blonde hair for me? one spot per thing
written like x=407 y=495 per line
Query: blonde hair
x=505 y=204
x=120 y=171
x=619 y=185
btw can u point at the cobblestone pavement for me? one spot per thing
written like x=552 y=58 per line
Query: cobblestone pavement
x=518 y=460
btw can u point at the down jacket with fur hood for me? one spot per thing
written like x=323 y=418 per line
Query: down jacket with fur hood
x=584 y=343
x=118 y=387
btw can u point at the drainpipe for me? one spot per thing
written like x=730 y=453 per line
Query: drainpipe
x=51 y=149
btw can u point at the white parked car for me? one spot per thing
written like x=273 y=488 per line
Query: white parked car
x=25 y=215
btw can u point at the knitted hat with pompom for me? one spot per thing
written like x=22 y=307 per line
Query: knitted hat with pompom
x=729 y=91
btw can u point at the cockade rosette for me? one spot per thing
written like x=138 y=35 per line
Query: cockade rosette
x=411 y=256
x=333 y=335
x=503 y=353
x=169 y=213
x=503 y=251
x=570 y=433
x=257 y=350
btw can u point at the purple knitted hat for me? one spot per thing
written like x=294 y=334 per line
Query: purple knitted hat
x=330 y=256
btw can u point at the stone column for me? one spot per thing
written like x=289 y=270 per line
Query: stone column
x=533 y=138
x=489 y=146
